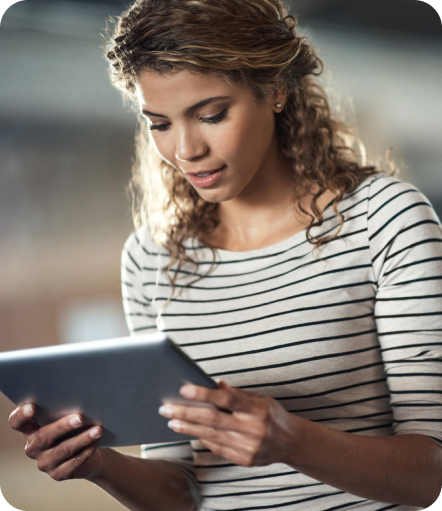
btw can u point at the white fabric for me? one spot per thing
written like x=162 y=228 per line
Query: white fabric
x=350 y=336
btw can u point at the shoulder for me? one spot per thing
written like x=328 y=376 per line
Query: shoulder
x=403 y=228
x=394 y=204
x=384 y=189
x=380 y=188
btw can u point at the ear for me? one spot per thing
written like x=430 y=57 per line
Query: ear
x=279 y=97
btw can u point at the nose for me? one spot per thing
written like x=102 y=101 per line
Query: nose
x=189 y=145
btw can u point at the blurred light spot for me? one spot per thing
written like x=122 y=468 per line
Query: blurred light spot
x=89 y=320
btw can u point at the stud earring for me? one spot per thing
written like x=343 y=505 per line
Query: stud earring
x=278 y=106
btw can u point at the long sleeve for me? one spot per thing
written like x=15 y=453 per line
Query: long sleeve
x=406 y=249
x=141 y=319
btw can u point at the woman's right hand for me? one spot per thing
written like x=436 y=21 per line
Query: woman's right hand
x=74 y=458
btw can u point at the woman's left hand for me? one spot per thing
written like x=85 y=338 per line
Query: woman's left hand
x=245 y=427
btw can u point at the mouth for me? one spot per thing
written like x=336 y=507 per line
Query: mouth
x=204 y=173
x=205 y=178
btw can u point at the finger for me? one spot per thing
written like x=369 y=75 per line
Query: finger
x=74 y=467
x=211 y=417
x=238 y=457
x=21 y=420
x=224 y=397
x=48 y=435
x=56 y=456
x=233 y=439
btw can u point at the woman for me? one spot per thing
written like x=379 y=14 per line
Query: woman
x=308 y=282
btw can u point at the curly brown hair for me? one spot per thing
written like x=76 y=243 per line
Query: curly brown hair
x=252 y=42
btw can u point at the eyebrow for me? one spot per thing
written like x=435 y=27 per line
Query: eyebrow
x=191 y=108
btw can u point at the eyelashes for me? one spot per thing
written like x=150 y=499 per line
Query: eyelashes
x=216 y=118
x=209 y=120
x=159 y=127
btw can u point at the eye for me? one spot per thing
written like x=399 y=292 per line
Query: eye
x=160 y=127
x=216 y=118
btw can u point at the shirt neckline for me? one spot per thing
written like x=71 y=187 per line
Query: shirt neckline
x=279 y=246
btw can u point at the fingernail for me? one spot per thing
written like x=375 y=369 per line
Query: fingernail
x=175 y=425
x=95 y=432
x=188 y=391
x=28 y=410
x=76 y=421
x=165 y=411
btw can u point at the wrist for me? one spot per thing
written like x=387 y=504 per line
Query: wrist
x=297 y=447
x=309 y=443
x=99 y=475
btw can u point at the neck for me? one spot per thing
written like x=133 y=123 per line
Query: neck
x=264 y=213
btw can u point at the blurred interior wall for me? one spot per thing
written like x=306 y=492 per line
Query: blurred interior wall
x=66 y=144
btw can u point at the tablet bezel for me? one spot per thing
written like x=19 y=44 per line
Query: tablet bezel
x=116 y=383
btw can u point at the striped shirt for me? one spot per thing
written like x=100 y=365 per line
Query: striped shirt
x=349 y=335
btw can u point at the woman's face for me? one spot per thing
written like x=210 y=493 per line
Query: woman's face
x=214 y=132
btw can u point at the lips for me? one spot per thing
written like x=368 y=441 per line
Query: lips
x=203 y=173
x=205 y=178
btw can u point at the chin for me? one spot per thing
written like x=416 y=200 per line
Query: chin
x=216 y=196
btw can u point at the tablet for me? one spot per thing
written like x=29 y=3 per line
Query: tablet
x=118 y=384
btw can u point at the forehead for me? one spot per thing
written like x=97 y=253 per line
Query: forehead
x=182 y=88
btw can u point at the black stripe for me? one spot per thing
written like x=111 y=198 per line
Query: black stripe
x=415 y=263
x=264 y=268
x=381 y=426
x=252 y=478
x=417 y=420
x=294 y=362
x=402 y=231
x=388 y=202
x=357 y=417
x=347 y=403
x=421 y=405
x=401 y=212
x=413 y=281
x=337 y=389
x=307 y=378
x=421 y=331
x=274 y=506
x=274 y=330
x=265 y=304
x=394 y=183
x=411 y=315
x=412 y=361
x=153 y=447
x=133 y=260
x=273 y=277
x=129 y=299
x=341 y=506
x=268 y=316
x=257 y=492
x=301 y=309
x=219 y=465
x=142 y=328
x=142 y=314
x=400 y=298
x=417 y=244
x=407 y=375
x=283 y=346
x=423 y=391
x=406 y=346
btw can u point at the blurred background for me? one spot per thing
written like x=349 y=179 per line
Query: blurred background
x=66 y=144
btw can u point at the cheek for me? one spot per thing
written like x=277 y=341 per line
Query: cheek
x=163 y=147
x=228 y=144
x=248 y=142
